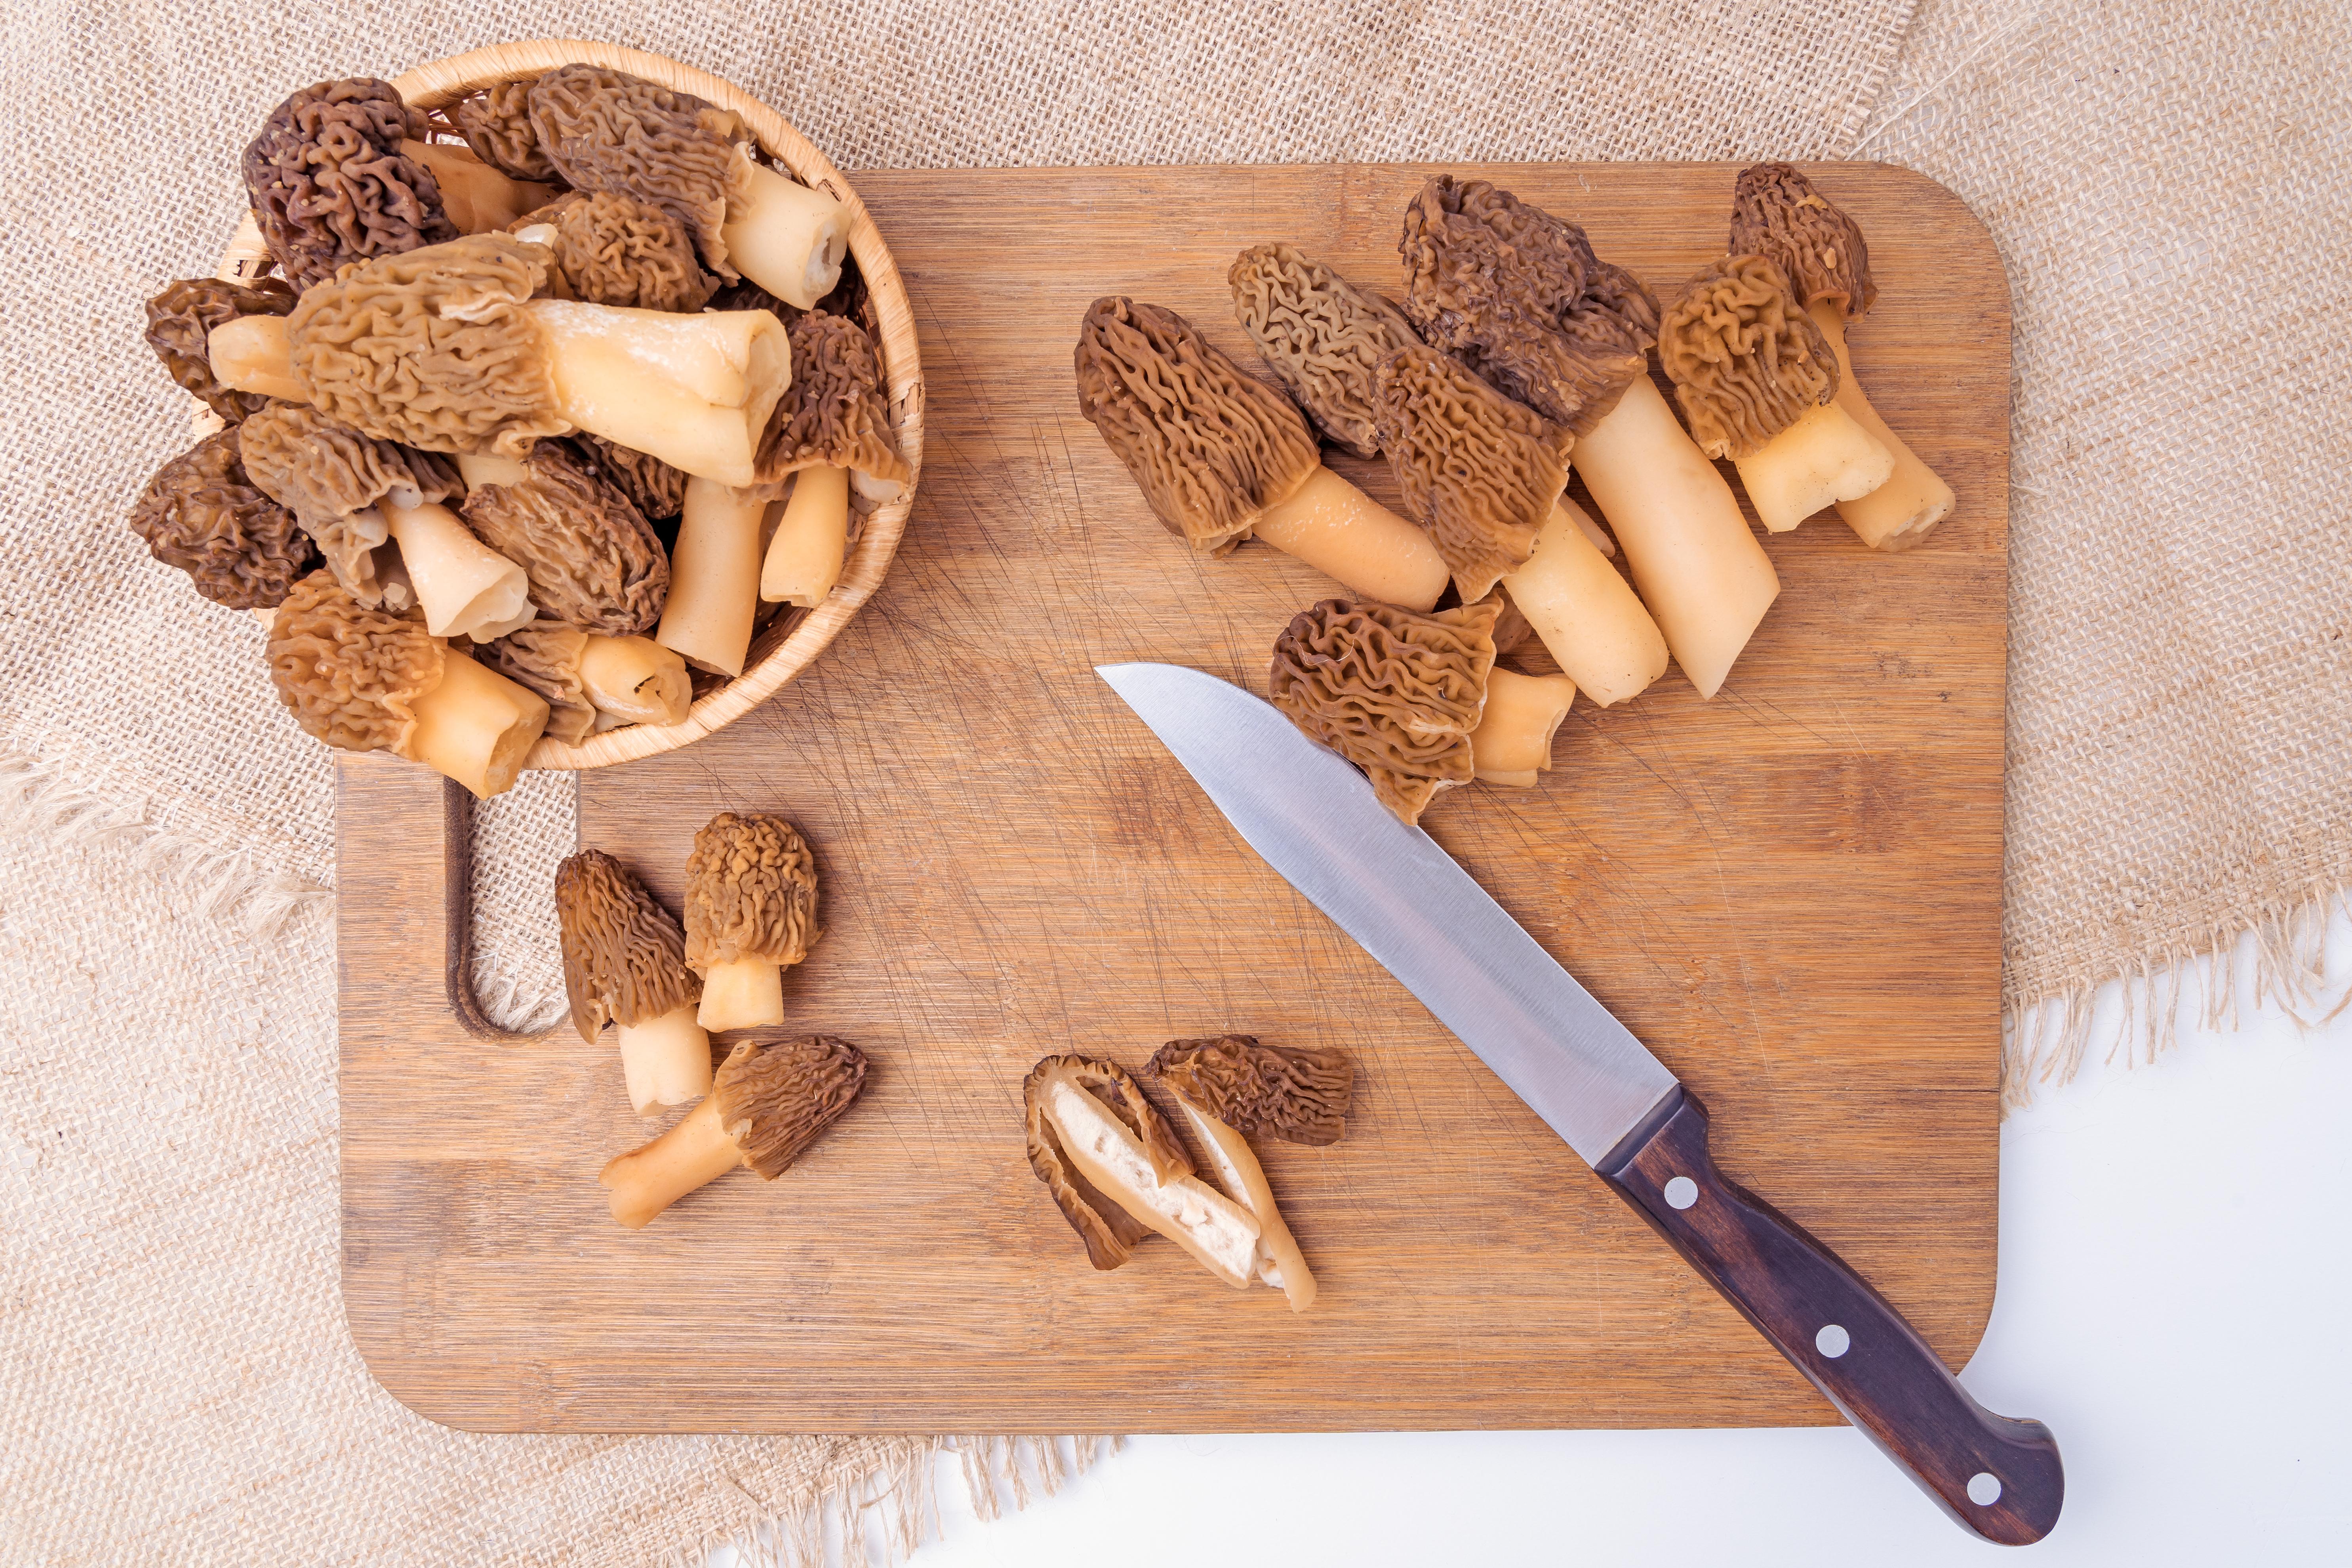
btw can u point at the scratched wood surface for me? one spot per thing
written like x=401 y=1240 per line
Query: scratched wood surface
x=1793 y=893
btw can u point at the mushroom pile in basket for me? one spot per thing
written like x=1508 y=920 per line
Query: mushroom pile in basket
x=1514 y=353
x=559 y=394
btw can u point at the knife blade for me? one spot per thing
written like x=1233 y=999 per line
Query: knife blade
x=1312 y=817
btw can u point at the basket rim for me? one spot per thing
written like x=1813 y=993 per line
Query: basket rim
x=774 y=660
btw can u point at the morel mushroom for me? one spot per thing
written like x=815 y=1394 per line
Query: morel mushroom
x=767 y=1104
x=1115 y=1167
x=592 y=683
x=750 y=911
x=625 y=964
x=1517 y=293
x=606 y=130
x=1321 y=334
x=330 y=182
x=1513 y=741
x=1757 y=382
x=1777 y=214
x=832 y=430
x=1394 y=692
x=180 y=321
x=592 y=560
x=366 y=679
x=1594 y=626
x=1222 y=457
x=496 y=123
x=202 y=514
x=653 y=486
x=616 y=250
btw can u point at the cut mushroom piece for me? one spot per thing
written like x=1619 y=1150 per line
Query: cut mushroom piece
x=1218 y=455
x=593 y=561
x=330 y=183
x=337 y=483
x=625 y=964
x=181 y=320
x=1109 y=1232
x=768 y=1102
x=1592 y=623
x=592 y=683
x=1321 y=334
x=1757 y=381
x=1298 y=1094
x=467 y=589
x=750 y=912
x=1479 y=470
x=202 y=514
x=1512 y=743
x=714 y=585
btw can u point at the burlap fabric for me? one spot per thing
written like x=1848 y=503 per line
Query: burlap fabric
x=180 y=1386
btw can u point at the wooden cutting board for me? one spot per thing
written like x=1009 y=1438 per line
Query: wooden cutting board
x=1793 y=893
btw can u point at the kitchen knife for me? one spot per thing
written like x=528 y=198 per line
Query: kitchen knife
x=1313 y=817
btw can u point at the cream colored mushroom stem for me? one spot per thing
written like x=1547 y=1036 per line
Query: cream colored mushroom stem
x=782 y=235
x=634 y=680
x=747 y=993
x=1279 y=1262
x=1346 y=535
x=805 y=558
x=714 y=577
x=476 y=726
x=690 y=1155
x=1512 y=743
x=1586 y=614
x=1218 y=1232
x=1700 y=571
x=467 y=588
x=694 y=390
x=477 y=199
x=1915 y=498
x=256 y=353
x=1823 y=458
x=665 y=1060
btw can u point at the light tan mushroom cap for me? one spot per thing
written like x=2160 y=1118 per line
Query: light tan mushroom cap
x=750 y=892
x=1480 y=471
x=605 y=130
x=623 y=956
x=612 y=249
x=593 y=561
x=1777 y=214
x=325 y=474
x=1321 y=334
x=833 y=411
x=497 y=126
x=774 y=1098
x=1211 y=447
x=351 y=675
x=1295 y=1093
x=544 y=658
x=1745 y=360
x=1395 y=692
x=1109 y=1232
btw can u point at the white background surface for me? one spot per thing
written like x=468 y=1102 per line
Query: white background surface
x=2175 y=1300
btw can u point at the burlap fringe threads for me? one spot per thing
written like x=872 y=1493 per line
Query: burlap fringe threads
x=878 y=1518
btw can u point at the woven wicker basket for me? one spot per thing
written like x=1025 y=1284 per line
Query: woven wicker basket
x=792 y=641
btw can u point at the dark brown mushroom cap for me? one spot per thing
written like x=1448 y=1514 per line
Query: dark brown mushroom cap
x=1520 y=296
x=432 y=349
x=833 y=411
x=329 y=184
x=1211 y=447
x=1777 y=214
x=653 y=486
x=750 y=892
x=1109 y=1232
x=1395 y=692
x=180 y=321
x=351 y=675
x=774 y=1098
x=605 y=130
x=328 y=477
x=1745 y=360
x=623 y=956
x=497 y=126
x=202 y=514
x=1297 y=1094
x=1321 y=334
x=591 y=559
x=1480 y=471
x=612 y=250
x=544 y=658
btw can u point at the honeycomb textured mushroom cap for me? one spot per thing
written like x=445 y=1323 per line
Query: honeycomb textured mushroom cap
x=1395 y=692
x=775 y=1097
x=433 y=348
x=1211 y=447
x=1321 y=334
x=1109 y=1231
x=329 y=184
x=202 y=514
x=1297 y=1094
x=593 y=559
x=833 y=411
x=544 y=658
x=653 y=486
x=327 y=475
x=497 y=125
x=351 y=675
x=1777 y=214
x=750 y=892
x=623 y=956
x=1478 y=469
x=605 y=130
x=1745 y=360
x=612 y=250
x=180 y=321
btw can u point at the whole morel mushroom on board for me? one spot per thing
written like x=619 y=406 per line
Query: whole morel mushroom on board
x=625 y=962
x=179 y=322
x=832 y=430
x=202 y=514
x=750 y=911
x=1777 y=214
x=592 y=683
x=1222 y=457
x=1321 y=334
x=1757 y=382
x=767 y=1103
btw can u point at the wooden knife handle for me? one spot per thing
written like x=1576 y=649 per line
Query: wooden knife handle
x=1999 y=1477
